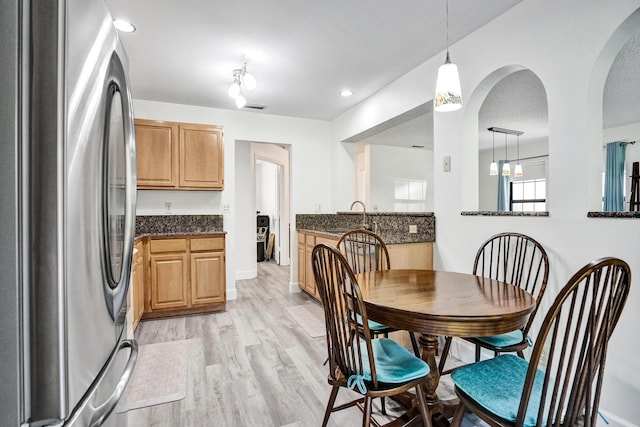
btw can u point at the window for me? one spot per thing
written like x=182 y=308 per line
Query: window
x=410 y=195
x=528 y=196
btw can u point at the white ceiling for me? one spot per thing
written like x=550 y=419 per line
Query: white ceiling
x=303 y=52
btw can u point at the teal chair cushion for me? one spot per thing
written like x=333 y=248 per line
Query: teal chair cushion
x=504 y=340
x=373 y=325
x=394 y=364
x=496 y=384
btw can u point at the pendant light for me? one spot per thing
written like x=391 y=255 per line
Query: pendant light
x=493 y=168
x=448 y=95
x=506 y=167
x=518 y=170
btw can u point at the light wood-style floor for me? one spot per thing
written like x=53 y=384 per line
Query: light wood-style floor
x=251 y=365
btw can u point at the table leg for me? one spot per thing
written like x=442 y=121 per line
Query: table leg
x=439 y=413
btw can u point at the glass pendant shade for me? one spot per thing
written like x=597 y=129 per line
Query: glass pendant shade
x=234 y=90
x=240 y=101
x=506 y=169
x=249 y=81
x=448 y=93
x=518 y=170
x=493 y=169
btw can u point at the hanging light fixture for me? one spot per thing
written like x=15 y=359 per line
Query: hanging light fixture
x=241 y=77
x=448 y=93
x=518 y=170
x=493 y=168
x=506 y=167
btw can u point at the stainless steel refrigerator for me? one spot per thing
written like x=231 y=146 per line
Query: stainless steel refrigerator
x=68 y=194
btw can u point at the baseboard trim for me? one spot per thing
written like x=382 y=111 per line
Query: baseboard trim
x=246 y=274
x=294 y=288
x=232 y=294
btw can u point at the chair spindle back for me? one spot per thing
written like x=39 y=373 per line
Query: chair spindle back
x=364 y=251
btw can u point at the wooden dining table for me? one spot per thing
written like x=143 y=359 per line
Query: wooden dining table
x=440 y=303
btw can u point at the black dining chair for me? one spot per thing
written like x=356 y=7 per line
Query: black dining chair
x=561 y=384
x=374 y=368
x=366 y=251
x=516 y=259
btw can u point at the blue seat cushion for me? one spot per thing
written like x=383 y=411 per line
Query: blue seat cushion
x=504 y=340
x=496 y=384
x=373 y=325
x=394 y=363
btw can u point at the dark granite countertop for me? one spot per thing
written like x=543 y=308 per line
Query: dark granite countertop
x=598 y=214
x=178 y=225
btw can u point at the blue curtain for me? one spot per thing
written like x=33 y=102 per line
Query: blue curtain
x=614 y=177
x=503 y=189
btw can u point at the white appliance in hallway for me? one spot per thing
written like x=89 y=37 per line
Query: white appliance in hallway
x=69 y=194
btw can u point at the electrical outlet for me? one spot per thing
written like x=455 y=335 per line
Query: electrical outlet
x=167 y=207
x=413 y=228
x=226 y=208
x=317 y=208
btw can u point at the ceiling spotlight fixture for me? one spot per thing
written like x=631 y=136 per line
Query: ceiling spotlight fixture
x=448 y=93
x=241 y=77
x=124 y=26
x=346 y=92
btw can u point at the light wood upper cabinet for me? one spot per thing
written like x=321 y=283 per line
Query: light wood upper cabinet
x=201 y=157
x=179 y=156
x=157 y=152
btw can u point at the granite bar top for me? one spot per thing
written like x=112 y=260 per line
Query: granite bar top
x=502 y=213
x=178 y=225
x=634 y=214
x=392 y=227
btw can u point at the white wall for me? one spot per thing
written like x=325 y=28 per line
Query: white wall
x=388 y=163
x=311 y=158
x=570 y=46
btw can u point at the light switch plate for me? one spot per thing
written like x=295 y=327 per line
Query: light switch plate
x=413 y=228
x=167 y=207
x=446 y=163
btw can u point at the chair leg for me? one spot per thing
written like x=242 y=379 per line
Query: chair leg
x=520 y=353
x=414 y=344
x=477 y=353
x=332 y=400
x=458 y=415
x=366 y=420
x=422 y=406
x=445 y=354
x=383 y=407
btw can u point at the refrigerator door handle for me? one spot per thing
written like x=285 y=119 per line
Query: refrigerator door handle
x=101 y=412
x=116 y=287
x=91 y=415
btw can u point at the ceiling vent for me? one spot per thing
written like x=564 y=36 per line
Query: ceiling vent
x=255 y=106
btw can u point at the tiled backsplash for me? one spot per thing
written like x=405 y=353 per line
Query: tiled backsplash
x=393 y=227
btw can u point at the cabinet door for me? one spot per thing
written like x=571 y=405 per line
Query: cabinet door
x=207 y=277
x=201 y=157
x=138 y=290
x=310 y=281
x=169 y=281
x=157 y=152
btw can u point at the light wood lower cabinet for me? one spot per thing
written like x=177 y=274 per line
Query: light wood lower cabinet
x=137 y=284
x=401 y=255
x=186 y=276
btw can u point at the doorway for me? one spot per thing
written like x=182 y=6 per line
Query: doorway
x=270 y=203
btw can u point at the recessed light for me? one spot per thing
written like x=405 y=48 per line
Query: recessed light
x=124 y=26
x=346 y=92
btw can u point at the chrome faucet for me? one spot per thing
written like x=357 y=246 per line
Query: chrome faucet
x=364 y=213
